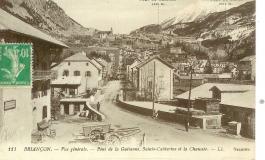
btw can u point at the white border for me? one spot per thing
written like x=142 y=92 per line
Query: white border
x=260 y=94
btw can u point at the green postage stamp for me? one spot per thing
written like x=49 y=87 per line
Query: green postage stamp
x=15 y=64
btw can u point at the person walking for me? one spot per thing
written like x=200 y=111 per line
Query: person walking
x=186 y=124
x=98 y=106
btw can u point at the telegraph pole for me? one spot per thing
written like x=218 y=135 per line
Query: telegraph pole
x=189 y=105
x=154 y=81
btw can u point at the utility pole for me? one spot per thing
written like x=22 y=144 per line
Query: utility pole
x=153 y=109
x=154 y=81
x=189 y=105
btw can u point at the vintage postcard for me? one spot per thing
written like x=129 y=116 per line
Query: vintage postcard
x=128 y=79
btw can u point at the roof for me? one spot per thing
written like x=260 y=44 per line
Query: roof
x=103 y=62
x=74 y=100
x=152 y=58
x=98 y=63
x=236 y=95
x=208 y=76
x=81 y=56
x=104 y=32
x=248 y=58
x=135 y=63
x=10 y=23
x=71 y=80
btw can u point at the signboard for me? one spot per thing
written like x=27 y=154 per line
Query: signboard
x=8 y=105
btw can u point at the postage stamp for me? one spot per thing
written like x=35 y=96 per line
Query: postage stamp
x=15 y=64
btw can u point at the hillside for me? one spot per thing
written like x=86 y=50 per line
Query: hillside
x=236 y=22
x=45 y=15
x=232 y=31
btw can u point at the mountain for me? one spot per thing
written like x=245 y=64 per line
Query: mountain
x=197 y=11
x=45 y=15
x=231 y=30
x=237 y=22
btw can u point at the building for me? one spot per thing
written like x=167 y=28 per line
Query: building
x=114 y=57
x=237 y=103
x=77 y=66
x=182 y=83
x=99 y=65
x=66 y=86
x=178 y=52
x=71 y=106
x=202 y=66
x=131 y=71
x=107 y=68
x=155 y=71
x=33 y=106
x=105 y=34
x=246 y=67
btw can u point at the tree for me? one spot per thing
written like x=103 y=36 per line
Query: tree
x=208 y=69
x=227 y=69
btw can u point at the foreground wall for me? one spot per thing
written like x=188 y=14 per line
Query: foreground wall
x=16 y=123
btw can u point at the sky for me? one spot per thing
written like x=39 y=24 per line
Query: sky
x=122 y=15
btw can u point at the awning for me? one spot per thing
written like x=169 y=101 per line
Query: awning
x=76 y=80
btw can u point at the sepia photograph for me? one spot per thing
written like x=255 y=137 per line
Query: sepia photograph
x=128 y=79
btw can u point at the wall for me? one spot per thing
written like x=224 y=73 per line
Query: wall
x=86 y=82
x=244 y=115
x=39 y=103
x=163 y=80
x=16 y=123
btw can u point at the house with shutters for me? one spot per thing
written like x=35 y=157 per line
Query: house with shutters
x=76 y=75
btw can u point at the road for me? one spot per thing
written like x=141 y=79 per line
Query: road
x=159 y=132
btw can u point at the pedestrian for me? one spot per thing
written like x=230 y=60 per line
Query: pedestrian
x=155 y=114
x=186 y=125
x=87 y=113
x=98 y=106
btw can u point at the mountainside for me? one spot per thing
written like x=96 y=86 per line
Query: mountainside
x=45 y=15
x=232 y=30
x=236 y=22
x=198 y=11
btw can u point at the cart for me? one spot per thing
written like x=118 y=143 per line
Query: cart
x=104 y=134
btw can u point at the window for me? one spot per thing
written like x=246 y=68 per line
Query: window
x=150 y=84
x=76 y=73
x=72 y=91
x=88 y=73
x=44 y=112
x=69 y=63
x=66 y=73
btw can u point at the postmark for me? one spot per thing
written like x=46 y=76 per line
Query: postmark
x=15 y=64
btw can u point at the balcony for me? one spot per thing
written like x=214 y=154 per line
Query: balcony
x=41 y=75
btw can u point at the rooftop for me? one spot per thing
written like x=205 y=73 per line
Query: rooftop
x=81 y=56
x=237 y=95
x=10 y=23
x=248 y=58
x=152 y=58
